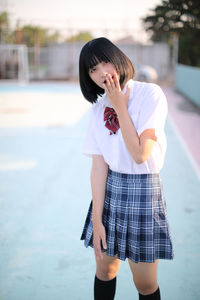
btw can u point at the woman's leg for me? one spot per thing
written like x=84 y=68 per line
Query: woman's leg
x=105 y=279
x=145 y=279
x=108 y=267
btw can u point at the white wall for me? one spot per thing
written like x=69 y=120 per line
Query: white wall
x=156 y=56
x=62 y=59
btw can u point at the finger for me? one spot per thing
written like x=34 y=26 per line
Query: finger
x=105 y=88
x=116 y=81
x=98 y=253
x=97 y=249
x=112 y=83
x=127 y=94
x=108 y=83
x=104 y=241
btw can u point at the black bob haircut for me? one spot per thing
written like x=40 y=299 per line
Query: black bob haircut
x=97 y=51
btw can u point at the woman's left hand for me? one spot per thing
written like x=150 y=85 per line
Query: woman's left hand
x=117 y=99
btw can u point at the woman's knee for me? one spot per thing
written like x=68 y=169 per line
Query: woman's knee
x=145 y=276
x=107 y=269
x=146 y=287
x=106 y=273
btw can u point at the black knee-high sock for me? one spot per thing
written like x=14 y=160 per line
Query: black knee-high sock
x=154 y=296
x=104 y=290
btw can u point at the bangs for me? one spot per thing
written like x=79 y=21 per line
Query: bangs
x=94 y=58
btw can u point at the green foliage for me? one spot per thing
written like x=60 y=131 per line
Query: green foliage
x=182 y=18
x=189 y=49
x=28 y=34
x=5 y=35
x=32 y=35
x=35 y=35
x=83 y=36
x=174 y=16
x=4 y=22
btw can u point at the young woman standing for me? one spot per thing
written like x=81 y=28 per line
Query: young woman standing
x=127 y=217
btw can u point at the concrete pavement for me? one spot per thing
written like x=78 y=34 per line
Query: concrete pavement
x=45 y=193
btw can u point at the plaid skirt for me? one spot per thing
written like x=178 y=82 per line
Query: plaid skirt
x=135 y=218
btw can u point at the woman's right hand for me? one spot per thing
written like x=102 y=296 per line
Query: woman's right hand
x=99 y=234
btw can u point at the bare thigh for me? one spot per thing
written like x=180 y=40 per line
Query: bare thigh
x=144 y=276
x=108 y=267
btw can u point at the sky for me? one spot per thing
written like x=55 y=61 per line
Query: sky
x=102 y=17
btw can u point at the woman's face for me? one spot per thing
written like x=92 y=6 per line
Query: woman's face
x=100 y=71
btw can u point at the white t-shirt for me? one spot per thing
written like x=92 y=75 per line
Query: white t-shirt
x=147 y=108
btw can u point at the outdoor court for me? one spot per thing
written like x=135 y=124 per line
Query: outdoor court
x=45 y=194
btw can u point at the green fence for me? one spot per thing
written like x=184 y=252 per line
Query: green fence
x=188 y=82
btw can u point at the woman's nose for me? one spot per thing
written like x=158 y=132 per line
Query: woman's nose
x=104 y=73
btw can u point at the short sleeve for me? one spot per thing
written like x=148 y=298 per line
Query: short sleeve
x=153 y=111
x=90 y=145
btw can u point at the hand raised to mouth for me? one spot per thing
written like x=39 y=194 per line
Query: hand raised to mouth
x=114 y=93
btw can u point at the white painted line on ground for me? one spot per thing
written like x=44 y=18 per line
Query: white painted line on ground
x=185 y=147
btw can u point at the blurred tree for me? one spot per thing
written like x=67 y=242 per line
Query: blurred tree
x=6 y=36
x=28 y=34
x=36 y=35
x=83 y=36
x=54 y=37
x=177 y=17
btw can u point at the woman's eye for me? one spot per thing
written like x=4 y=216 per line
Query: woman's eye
x=92 y=70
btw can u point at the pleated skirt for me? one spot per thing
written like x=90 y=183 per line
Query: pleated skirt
x=135 y=218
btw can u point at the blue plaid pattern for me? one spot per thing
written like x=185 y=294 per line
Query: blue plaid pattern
x=135 y=218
